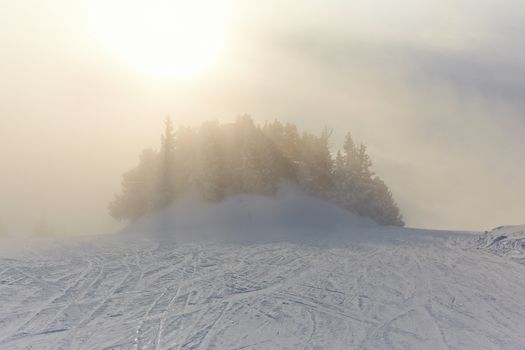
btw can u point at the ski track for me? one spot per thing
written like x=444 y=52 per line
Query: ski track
x=431 y=293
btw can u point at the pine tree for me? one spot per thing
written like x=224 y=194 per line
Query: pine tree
x=138 y=189
x=383 y=208
x=284 y=141
x=184 y=162
x=218 y=160
x=274 y=131
x=166 y=181
x=258 y=163
x=315 y=164
x=341 y=191
x=357 y=189
x=212 y=174
x=291 y=142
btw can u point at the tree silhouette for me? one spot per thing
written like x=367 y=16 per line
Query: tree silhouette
x=217 y=160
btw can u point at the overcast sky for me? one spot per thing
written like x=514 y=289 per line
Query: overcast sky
x=434 y=88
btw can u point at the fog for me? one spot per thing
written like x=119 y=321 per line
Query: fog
x=434 y=88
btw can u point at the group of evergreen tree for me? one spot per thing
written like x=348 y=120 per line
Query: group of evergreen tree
x=218 y=160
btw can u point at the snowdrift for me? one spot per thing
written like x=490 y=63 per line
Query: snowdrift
x=507 y=241
x=290 y=215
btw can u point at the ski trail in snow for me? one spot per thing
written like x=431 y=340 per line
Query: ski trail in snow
x=142 y=320
x=46 y=304
x=158 y=336
x=189 y=259
x=191 y=292
x=430 y=293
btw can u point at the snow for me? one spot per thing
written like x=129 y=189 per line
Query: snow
x=182 y=279
x=290 y=214
x=507 y=241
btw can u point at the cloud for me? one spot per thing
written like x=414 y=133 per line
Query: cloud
x=445 y=123
x=434 y=88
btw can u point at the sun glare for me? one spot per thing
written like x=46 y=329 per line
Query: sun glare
x=164 y=38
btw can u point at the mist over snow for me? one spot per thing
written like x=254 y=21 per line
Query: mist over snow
x=289 y=271
x=289 y=215
x=433 y=88
x=330 y=174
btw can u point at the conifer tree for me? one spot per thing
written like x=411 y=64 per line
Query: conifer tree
x=357 y=189
x=138 y=189
x=315 y=164
x=291 y=142
x=184 y=162
x=218 y=160
x=284 y=141
x=212 y=174
x=166 y=181
x=383 y=209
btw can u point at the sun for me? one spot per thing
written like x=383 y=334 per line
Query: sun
x=164 y=38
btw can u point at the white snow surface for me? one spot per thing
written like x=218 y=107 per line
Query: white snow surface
x=289 y=215
x=306 y=275
x=507 y=241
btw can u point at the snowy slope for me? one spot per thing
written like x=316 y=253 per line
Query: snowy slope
x=507 y=241
x=364 y=287
x=289 y=215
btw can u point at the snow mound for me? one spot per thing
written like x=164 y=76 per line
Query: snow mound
x=508 y=241
x=289 y=213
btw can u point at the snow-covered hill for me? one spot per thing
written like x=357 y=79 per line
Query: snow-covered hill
x=307 y=284
x=289 y=215
x=507 y=241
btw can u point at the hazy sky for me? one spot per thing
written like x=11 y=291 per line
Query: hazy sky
x=433 y=87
